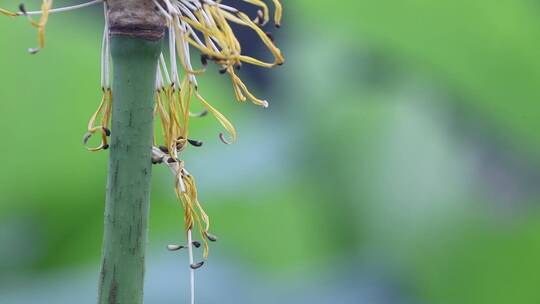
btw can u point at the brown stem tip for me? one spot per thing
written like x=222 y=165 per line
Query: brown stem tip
x=135 y=18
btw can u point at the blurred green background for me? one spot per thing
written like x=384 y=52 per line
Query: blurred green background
x=399 y=161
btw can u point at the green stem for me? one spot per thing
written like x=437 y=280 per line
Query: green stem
x=128 y=185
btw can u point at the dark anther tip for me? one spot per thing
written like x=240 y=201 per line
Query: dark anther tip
x=204 y=59
x=174 y=247
x=200 y=114
x=86 y=137
x=270 y=36
x=210 y=236
x=107 y=131
x=33 y=51
x=197 y=244
x=278 y=25
x=197 y=265
x=171 y=160
x=22 y=8
x=222 y=70
x=105 y=146
x=195 y=143
x=163 y=149
x=238 y=66
x=223 y=139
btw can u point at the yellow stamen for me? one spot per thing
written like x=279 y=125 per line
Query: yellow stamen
x=227 y=125
x=40 y=25
x=104 y=108
x=7 y=13
x=279 y=12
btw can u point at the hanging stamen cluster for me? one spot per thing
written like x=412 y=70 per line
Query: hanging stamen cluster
x=105 y=107
x=172 y=109
x=206 y=26
x=39 y=25
x=103 y=113
x=172 y=104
